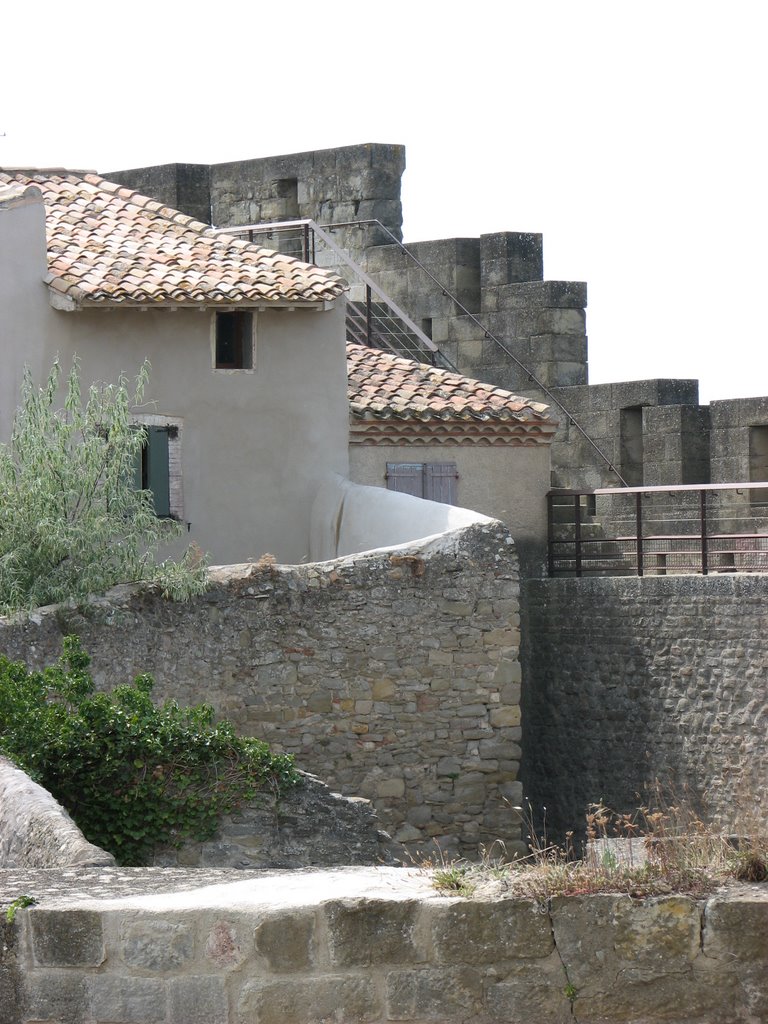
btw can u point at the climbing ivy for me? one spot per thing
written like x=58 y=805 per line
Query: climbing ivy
x=133 y=774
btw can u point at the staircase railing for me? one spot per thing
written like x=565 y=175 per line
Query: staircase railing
x=412 y=342
x=377 y=321
x=661 y=531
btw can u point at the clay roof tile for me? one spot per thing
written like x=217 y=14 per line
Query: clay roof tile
x=382 y=385
x=112 y=245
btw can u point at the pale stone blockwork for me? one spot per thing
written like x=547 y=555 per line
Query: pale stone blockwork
x=373 y=945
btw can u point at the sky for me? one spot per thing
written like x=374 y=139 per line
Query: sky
x=631 y=135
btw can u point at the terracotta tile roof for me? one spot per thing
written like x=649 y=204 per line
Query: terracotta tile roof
x=386 y=387
x=108 y=245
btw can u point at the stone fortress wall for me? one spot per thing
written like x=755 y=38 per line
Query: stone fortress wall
x=654 y=431
x=633 y=680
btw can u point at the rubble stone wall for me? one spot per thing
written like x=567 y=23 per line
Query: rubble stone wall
x=630 y=680
x=391 y=675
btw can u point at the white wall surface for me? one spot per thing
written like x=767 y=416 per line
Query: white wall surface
x=348 y=518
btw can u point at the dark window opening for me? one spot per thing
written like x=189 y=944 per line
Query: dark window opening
x=436 y=481
x=234 y=341
x=631 y=445
x=758 y=463
x=286 y=192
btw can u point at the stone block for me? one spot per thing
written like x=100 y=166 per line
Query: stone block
x=319 y=702
x=127 y=1000
x=199 y=1000
x=505 y=716
x=483 y=933
x=365 y=931
x=561 y=321
x=736 y=930
x=11 y=997
x=500 y=749
x=341 y=998
x=543 y=295
x=389 y=788
x=531 y=991
x=440 y=657
x=382 y=689
x=50 y=995
x=433 y=995
x=509 y=256
x=665 y=996
x=507 y=671
x=287 y=942
x=658 y=932
x=224 y=946
x=157 y=945
x=67 y=938
x=503 y=637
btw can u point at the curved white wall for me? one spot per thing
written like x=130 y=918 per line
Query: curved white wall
x=348 y=518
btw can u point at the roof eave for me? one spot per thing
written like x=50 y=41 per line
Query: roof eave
x=70 y=302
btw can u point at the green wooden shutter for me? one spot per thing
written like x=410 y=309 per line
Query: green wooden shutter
x=155 y=458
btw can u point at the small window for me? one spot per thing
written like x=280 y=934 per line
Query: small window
x=233 y=341
x=159 y=468
x=436 y=481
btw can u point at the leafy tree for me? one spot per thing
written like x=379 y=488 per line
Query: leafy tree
x=131 y=773
x=72 y=522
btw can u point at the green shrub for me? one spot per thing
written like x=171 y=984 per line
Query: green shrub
x=132 y=774
x=72 y=522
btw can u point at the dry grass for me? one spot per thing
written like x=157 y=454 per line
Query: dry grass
x=649 y=853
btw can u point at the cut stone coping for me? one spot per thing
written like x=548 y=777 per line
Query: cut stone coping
x=169 y=889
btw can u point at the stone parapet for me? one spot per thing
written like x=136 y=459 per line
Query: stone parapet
x=35 y=830
x=373 y=945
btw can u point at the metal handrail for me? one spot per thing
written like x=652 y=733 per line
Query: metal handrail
x=307 y=223
x=721 y=550
x=492 y=337
x=343 y=258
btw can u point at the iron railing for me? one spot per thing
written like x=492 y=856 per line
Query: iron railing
x=659 y=531
x=388 y=327
x=373 y=319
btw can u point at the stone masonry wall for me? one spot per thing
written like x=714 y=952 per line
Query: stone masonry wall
x=392 y=675
x=629 y=680
x=374 y=948
x=306 y=826
x=498 y=276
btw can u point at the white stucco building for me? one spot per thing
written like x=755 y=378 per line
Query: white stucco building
x=251 y=387
x=246 y=405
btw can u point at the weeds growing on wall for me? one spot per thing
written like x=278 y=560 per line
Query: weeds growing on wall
x=654 y=851
x=133 y=774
